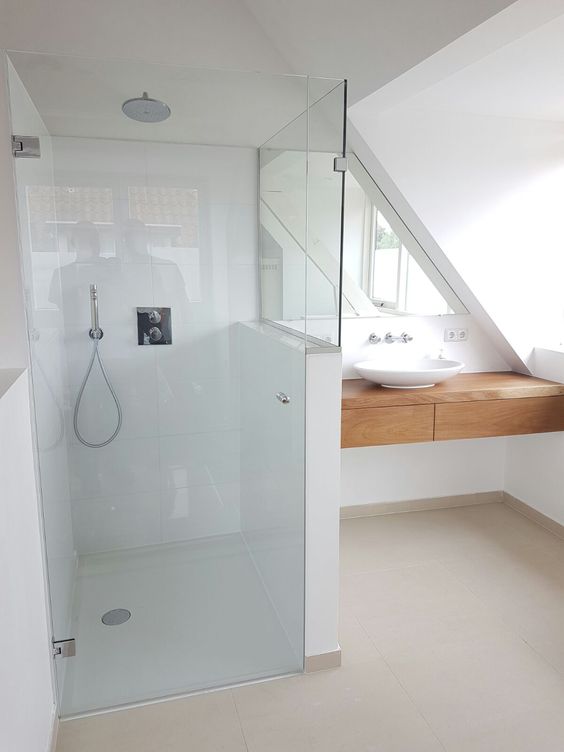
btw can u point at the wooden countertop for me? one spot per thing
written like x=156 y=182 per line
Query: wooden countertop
x=465 y=387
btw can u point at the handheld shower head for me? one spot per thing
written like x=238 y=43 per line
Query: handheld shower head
x=95 y=331
x=96 y=335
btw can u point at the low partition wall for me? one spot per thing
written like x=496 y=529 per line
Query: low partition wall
x=287 y=449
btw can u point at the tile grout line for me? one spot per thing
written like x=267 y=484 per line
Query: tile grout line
x=400 y=683
x=511 y=629
x=411 y=565
x=232 y=694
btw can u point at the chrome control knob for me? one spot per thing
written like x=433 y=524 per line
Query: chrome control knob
x=155 y=317
x=155 y=334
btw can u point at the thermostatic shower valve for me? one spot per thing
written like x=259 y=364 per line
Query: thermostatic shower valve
x=154 y=326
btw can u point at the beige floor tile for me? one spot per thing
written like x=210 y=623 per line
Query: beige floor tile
x=398 y=540
x=472 y=693
x=526 y=590
x=201 y=723
x=356 y=645
x=452 y=629
x=411 y=610
x=546 y=636
x=536 y=731
x=533 y=572
x=351 y=709
x=502 y=527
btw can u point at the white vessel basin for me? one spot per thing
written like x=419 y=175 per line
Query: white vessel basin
x=414 y=374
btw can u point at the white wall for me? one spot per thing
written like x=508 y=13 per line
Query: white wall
x=389 y=474
x=477 y=353
x=534 y=471
x=323 y=441
x=13 y=339
x=482 y=167
x=172 y=473
x=27 y=698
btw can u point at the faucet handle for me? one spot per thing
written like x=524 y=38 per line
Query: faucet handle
x=403 y=337
x=374 y=339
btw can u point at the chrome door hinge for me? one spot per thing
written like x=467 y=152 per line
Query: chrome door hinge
x=25 y=146
x=64 y=648
x=340 y=164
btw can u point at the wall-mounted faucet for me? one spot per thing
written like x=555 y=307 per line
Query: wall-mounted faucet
x=403 y=337
x=375 y=339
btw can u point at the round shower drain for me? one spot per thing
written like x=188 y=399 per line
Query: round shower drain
x=116 y=616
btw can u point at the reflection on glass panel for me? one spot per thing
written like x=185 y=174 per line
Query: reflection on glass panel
x=171 y=218
x=283 y=187
x=385 y=270
x=300 y=233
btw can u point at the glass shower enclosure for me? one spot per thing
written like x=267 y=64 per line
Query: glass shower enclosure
x=172 y=296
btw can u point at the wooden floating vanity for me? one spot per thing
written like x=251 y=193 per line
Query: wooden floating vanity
x=468 y=406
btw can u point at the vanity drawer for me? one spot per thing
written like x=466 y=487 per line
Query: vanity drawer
x=505 y=417
x=373 y=426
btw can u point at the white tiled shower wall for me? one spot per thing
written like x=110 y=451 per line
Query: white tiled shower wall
x=166 y=225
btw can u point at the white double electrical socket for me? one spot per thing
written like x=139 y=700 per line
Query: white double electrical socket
x=456 y=335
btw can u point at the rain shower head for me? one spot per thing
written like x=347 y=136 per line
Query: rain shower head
x=146 y=110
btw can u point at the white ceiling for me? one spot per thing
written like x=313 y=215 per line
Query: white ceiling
x=370 y=42
x=202 y=33
x=524 y=79
x=83 y=97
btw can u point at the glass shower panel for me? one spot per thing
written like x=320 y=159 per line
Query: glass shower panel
x=301 y=195
x=283 y=224
x=41 y=262
x=273 y=387
x=176 y=550
x=325 y=194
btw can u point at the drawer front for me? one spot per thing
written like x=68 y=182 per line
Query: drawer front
x=473 y=420
x=375 y=426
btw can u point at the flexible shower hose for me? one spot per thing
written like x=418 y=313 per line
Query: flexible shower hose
x=96 y=356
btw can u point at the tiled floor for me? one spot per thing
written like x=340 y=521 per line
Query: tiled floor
x=453 y=639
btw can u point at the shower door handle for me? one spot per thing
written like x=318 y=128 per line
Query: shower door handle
x=283 y=398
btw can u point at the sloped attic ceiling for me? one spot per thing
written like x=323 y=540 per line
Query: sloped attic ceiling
x=370 y=42
x=471 y=143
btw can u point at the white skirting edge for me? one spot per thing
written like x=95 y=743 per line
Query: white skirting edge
x=322 y=662
x=534 y=515
x=419 y=505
